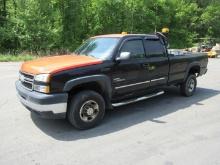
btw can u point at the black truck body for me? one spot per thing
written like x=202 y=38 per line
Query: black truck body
x=137 y=66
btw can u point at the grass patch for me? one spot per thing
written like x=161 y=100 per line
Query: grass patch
x=16 y=58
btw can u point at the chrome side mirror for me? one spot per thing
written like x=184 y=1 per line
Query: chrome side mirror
x=124 y=56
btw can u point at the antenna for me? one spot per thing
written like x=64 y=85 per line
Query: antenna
x=132 y=16
x=155 y=23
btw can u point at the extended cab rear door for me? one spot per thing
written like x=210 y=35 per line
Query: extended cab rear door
x=158 y=62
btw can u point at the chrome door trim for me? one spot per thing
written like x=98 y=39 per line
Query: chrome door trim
x=158 y=79
x=144 y=82
x=125 y=86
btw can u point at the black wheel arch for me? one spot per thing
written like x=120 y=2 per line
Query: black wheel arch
x=99 y=83
x=193 y=68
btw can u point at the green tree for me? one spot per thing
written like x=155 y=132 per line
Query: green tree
x=50 y=26
x=210 y=25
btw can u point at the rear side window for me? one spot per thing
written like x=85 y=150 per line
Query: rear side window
x=154 y=48
x=135 y=47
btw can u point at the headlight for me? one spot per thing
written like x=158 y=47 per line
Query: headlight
x=42 y=88
x=42 y=78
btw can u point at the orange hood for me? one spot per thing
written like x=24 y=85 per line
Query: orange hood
x=57 y=63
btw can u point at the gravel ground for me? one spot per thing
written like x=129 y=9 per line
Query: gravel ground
x=166 y=130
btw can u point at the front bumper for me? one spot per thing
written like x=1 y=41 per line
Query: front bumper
x=45 y=105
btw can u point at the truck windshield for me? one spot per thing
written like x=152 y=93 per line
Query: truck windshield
x=101 y=48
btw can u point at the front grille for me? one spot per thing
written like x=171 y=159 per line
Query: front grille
x=26 y=80
x=29 y=76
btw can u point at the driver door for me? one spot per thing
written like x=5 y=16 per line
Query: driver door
x=128 y=74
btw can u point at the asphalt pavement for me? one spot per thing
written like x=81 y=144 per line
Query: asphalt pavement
x=166 y=130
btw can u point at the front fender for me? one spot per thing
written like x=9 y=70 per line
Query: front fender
x=103 y=80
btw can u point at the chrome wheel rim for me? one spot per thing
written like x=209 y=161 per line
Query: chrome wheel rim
x=191 y=85
x=89 y=111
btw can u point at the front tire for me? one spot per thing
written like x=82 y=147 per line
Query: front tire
x=188 y=88
x=86 y=109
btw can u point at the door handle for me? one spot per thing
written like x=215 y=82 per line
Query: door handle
x=145 y=66
x=149 y=67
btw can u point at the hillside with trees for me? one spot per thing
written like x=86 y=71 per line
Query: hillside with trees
x=50 y=26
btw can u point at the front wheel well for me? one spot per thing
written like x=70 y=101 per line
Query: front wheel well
x=94 y=86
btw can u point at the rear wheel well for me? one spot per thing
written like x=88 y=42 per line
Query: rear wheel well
x=194 y=70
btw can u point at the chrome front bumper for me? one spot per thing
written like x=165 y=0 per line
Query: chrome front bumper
x=45 y=105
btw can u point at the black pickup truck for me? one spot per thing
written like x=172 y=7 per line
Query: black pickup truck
x=105 y=72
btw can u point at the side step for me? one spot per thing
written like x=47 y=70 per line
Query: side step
x=137 y=99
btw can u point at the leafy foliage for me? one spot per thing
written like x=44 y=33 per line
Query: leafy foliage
x=59 y=26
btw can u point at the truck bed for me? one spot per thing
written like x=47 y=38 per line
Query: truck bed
x=179 y=64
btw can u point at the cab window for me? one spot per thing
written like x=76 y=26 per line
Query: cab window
x=135 y=48
x=154 y=48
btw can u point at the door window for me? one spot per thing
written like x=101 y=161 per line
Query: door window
x=154 y=48
x=135 y=48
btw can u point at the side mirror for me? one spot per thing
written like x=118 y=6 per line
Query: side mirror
x=124 y=56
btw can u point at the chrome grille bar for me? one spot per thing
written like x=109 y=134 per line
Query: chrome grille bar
x=27 y=80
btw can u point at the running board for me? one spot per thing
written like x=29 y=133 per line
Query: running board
x=137 y=99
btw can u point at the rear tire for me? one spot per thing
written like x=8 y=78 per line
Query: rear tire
x=86 y=109
x=188 y=88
